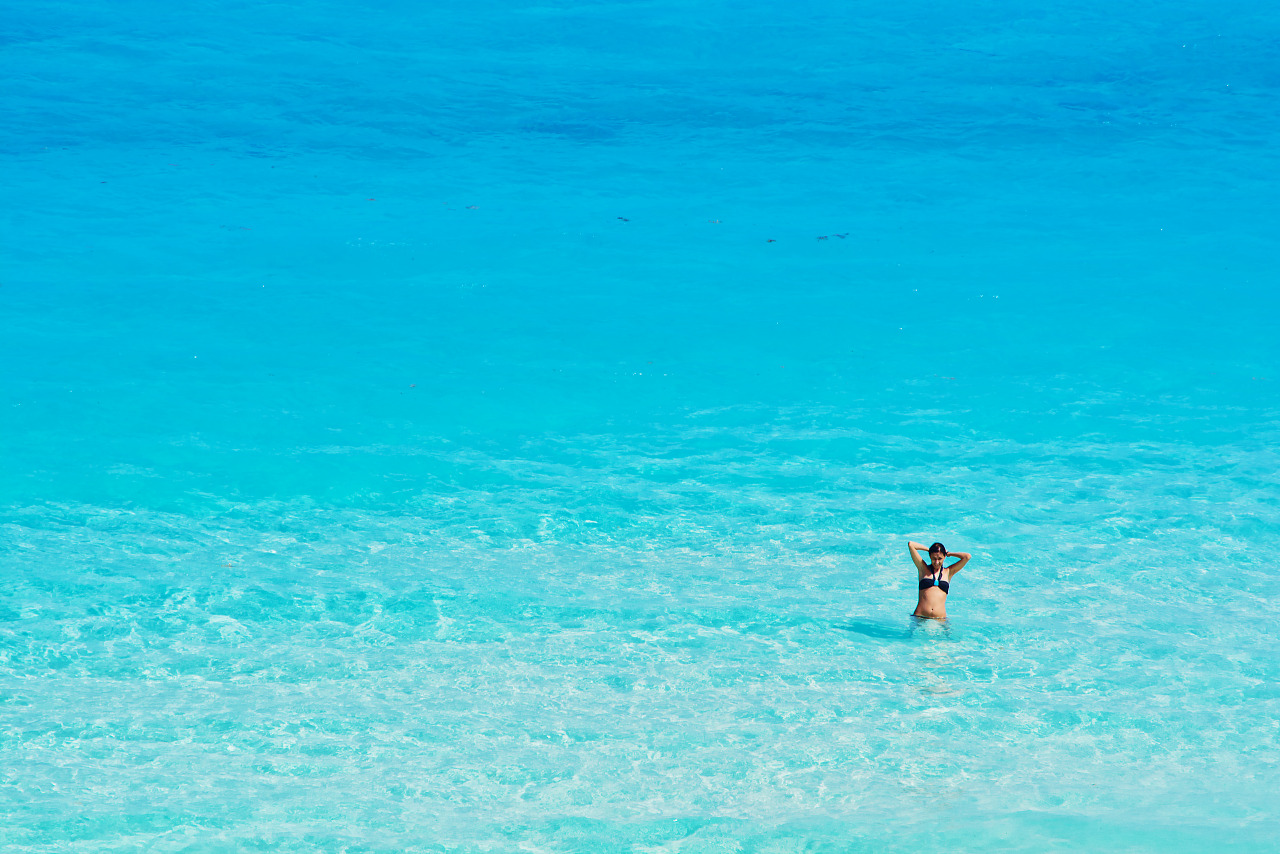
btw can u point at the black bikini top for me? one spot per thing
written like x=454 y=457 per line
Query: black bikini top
x=926 y=583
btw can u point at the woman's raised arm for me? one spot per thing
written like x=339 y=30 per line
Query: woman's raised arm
x=914 y=548
x=958 y=565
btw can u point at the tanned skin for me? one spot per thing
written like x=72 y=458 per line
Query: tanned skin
x=933 y=602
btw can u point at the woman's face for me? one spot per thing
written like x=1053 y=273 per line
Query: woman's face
x=936 y=557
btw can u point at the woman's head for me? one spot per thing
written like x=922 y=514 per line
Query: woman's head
x=937 y=551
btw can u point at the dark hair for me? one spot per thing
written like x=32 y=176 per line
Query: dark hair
x=938 y=547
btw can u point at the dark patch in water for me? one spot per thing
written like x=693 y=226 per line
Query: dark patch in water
x=876 y=630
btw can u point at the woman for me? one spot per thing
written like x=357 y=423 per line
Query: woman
x=935 y=579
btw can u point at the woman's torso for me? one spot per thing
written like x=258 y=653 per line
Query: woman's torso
x=934 y=585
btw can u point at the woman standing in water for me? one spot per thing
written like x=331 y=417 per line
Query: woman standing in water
x=935 y=579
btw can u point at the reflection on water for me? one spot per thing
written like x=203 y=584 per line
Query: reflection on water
x=934 y=662
x=929 y=627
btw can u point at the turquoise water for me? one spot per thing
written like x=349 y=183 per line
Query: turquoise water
x=497 y=427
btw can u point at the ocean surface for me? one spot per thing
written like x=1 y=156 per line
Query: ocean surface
x=497 y=426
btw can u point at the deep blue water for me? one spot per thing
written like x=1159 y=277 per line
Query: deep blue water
x=497 y=427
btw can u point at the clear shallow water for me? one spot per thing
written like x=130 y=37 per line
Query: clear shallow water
x=371 y=486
